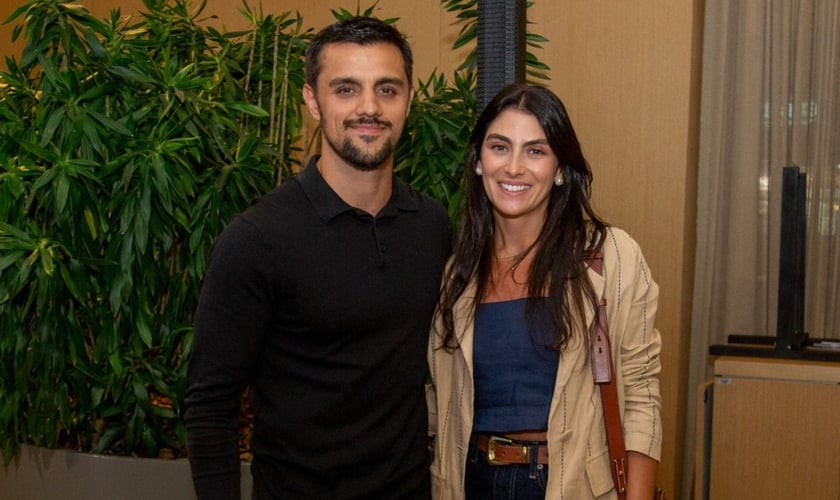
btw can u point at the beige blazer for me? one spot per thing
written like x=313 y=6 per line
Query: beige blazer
x=578 y=457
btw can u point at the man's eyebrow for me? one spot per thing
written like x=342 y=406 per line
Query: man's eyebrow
x=398 y=82
x=346 y=80
x=343 y=81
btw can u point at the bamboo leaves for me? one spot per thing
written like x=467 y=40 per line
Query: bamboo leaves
x=125 y=147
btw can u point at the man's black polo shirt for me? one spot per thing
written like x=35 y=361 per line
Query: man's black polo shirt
x=325 y=311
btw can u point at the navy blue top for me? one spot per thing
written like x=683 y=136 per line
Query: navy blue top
x=515 y=368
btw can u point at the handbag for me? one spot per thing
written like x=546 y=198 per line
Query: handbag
x=602 y=368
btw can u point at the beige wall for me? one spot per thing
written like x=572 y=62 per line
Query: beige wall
x=629 y=74
x=7 y=48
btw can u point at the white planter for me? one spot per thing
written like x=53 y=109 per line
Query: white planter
x=42 y=474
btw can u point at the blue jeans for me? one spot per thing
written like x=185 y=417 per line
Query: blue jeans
x=503 y=482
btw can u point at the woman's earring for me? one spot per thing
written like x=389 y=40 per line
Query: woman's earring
x=558 y=181
x=478 y=170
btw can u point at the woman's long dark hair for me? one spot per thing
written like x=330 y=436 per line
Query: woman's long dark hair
x=572 y=232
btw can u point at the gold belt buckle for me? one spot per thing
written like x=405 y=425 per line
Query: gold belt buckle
x=491 y=450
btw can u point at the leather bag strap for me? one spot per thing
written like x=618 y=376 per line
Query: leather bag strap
x=602 y=372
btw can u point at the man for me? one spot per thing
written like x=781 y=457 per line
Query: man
x=320 y=297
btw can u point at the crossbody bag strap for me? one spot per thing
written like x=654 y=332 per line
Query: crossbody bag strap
x=602 y=372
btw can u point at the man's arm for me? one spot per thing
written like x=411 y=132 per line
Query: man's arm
x=230 y=320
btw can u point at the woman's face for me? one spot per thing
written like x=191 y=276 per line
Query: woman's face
x=518 y=166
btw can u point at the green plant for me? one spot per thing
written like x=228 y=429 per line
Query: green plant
x=125 y=146
x=430 y=155
x=467 y=15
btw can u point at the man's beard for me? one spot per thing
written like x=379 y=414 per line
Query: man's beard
x=364 y=160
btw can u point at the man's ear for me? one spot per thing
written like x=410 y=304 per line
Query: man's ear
x=410 y=100
x=311 y=102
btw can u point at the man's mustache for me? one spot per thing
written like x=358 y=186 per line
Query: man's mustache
x=367 y=121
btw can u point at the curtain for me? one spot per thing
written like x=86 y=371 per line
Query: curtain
x=770 y=98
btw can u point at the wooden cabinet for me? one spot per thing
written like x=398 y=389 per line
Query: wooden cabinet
x=772 y=430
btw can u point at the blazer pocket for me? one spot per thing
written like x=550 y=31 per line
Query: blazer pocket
x=598 y=473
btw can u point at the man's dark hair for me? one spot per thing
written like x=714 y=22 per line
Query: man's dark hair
x=360 y=30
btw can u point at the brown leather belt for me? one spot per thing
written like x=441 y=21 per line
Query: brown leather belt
x=501 y=450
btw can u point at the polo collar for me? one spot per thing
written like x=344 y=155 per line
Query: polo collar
x=329 y=205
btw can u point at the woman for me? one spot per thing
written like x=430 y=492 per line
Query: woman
x=516 y=411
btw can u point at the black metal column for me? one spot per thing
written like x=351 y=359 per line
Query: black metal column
x=501 y=46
